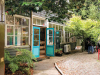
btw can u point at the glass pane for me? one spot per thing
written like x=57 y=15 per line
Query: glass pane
x=66 y=34
x=9 y=40
x=50 y=31
x=36 y=37
x=9 y=19
x=50 y=41
x=50 y=25
x=36 y=31
x=53 y=26
x=38 y=22
x=42 y=22
x=9 y=30
x=61 y=27
x=25 y=22
x=18 y=30
x=25 y=31
x=59 y=33
x=34 y=21
x=18 y=21
x=62 y=37
x=56 y=27
x=18 y=40
x=36 y=43
x=25 y=41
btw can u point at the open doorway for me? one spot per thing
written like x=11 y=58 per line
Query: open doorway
x=42 y=42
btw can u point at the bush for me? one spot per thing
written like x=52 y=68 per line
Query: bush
x=15 y=62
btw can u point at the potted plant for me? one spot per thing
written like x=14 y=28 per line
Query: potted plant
x=58 y=52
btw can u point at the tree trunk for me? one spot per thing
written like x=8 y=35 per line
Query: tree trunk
x=83 y=44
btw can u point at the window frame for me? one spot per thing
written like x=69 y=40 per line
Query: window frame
x=62 y=31
x=22 y=17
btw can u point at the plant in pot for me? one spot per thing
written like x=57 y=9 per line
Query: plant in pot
x=58 y=52
x=20 y=64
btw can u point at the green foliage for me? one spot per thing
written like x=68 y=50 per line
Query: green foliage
x=22 y=7
x=13 y=67
x=25 y=57
x=58 y=50
x=83 y=28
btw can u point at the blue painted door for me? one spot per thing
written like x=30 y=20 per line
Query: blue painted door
x=36 y=41
x=50 y=42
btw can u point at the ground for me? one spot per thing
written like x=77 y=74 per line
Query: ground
x=76 y=63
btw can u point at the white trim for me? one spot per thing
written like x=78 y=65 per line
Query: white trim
x=38 y=17
x=39 y=25
x=14 y=32
x=20 y=16
x=10 y=46
x=56 y=23
x=29 y=31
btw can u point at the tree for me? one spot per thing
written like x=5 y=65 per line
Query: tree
x=83 y=28
x=57 y=7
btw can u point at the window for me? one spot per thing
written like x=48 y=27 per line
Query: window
x=50 y=25
x=2 y=10
x=17 y=31
x=38 y=21
x=67 y=37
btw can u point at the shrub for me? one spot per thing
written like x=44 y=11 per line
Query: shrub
x=25 y=57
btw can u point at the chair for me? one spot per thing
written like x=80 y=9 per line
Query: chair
x=98 y=53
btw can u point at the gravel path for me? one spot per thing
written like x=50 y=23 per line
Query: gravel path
x=80 y=64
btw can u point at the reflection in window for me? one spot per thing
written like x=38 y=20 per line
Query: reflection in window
x=24 y=40
x=9 y=19
x=50 y=25
x=9 y=30
x=36 y=43
x=36 y=31
x=17 y=36
x=38 y=22
x=25 y=31
x=18 y=21
x=25 y=22
x=42 y=22
x=50 y=32
x=9 y=40
x=34 y=21
x=49 y=37
x=56 y=27
x=36 y=37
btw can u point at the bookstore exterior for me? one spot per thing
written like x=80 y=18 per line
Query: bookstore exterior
x=35 y=34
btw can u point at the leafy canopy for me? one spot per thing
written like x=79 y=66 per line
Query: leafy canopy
x=24 y=7
x=83 y=28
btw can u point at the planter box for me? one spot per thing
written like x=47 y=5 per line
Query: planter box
x=58 y=54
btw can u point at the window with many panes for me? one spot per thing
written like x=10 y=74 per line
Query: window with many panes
x=17 y=29
x=38 y=21
x=67 y=36
x=60 y=29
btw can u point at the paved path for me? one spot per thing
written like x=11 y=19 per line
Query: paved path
x=80 y=64
x=46 y=67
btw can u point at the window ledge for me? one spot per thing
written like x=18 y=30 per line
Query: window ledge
x=16 y=46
